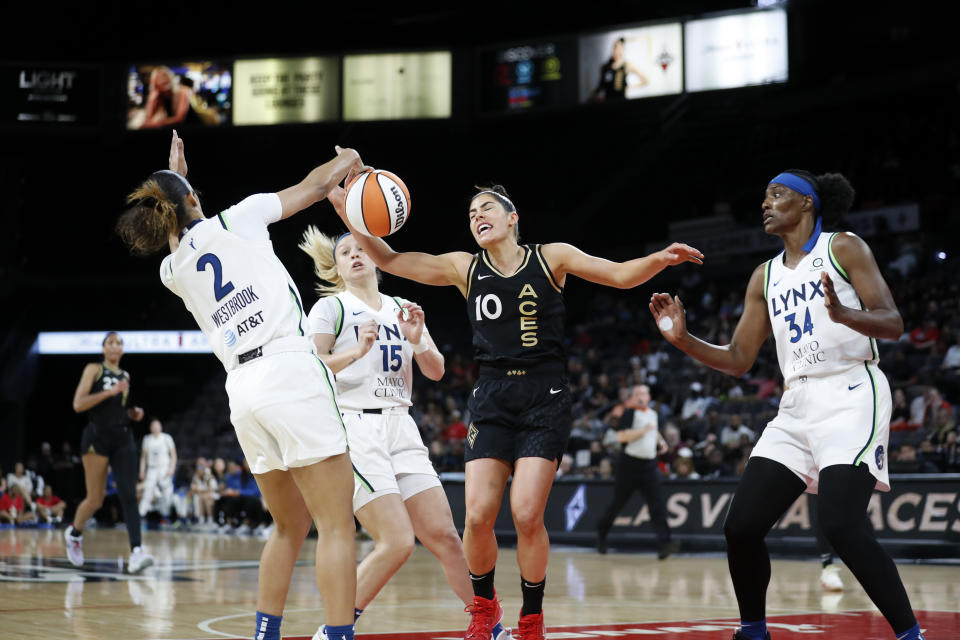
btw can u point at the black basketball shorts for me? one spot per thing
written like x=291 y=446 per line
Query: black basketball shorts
x=107 y=441
x=521 y=416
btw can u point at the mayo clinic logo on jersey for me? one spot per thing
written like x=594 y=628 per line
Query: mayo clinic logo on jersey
x=879 y=456
x=229 y=338
x=807 y=355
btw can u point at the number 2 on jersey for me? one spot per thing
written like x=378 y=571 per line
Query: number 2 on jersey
x=795 y=328
x=220 y=290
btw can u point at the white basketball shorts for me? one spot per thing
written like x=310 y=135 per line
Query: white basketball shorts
x=388 y=456
x=840 y=419
x=284 y=411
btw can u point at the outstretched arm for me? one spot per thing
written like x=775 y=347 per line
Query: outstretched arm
x=319 y=182
x=879 y=317
x=566 y=259
x=735 y=358
x=444 y=269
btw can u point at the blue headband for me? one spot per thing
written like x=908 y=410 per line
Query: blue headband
x=800 y=185
x=336 y=242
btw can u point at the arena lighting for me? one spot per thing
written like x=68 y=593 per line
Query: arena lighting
x=91 y=342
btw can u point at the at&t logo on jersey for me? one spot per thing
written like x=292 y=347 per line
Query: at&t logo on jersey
x=229 y=338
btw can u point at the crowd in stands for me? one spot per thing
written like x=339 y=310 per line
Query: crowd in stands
x=710 y=420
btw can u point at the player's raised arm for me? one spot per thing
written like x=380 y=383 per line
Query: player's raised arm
x=735 y=358
x=439 y=270
x=319 y=182
x=566 y=259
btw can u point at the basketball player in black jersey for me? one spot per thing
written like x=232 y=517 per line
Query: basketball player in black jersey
x=107 y=441
x=520 y=406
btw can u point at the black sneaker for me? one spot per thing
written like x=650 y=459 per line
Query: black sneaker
x=740 y=636
x=601 y=544
x=668 y=549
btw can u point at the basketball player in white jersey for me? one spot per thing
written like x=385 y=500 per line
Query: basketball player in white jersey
x=825 y=302
x=158 y=461
x=282 y=401
x=370 y=341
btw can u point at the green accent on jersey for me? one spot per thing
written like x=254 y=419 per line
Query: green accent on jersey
x=223 y=220
x=833 y=259
x=876 y=412
x=338 y=327
x=766 y=278
x=296 y=303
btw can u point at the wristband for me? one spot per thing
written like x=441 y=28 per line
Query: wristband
x=421 y=346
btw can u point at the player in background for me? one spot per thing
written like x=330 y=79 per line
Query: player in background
x=520 y=406
x=158 y=462
x=825 y=302
x=282 y=403
x=107 y=440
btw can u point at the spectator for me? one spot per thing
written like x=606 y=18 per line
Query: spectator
x=900 y=414
x=714 y=464
x=455 y=429
x=566 y=466
x=695 y=405
x=925 y=336
x=23 y=481
x=203 y=490
x=45 y=462
x=731 y=437
x=906 y=460
x=50 y=507
x=944 y=424
x=948 y=454
x=683 y=468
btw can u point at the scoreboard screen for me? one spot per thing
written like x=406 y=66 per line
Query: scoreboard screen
x=526 y=76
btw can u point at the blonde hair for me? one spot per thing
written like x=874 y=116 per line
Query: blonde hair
x=146 y=226
x=319 y=247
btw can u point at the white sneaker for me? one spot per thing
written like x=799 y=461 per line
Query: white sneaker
x=321 y=633
x=830 y=578
x=265 y=533
x=74 y=547
x=139 y=560
x=243 y=530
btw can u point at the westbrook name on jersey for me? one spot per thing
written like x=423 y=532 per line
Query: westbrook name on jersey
x=809 y=343
x=229 y=278
x=517 y=320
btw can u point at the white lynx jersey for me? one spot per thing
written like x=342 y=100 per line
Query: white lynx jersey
x=157 y=449
x=229 y=278
x=809 y=343
x=382 y=377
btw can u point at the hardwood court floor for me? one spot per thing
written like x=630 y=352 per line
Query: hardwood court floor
x=204 y=586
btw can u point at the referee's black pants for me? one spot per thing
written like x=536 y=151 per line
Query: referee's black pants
x=637 y=474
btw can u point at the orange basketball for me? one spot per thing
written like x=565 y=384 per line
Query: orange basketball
x=378 y=203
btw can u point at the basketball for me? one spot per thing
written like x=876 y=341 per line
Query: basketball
x=378 y=203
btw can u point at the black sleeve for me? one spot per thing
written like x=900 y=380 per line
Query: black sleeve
x=626 y=420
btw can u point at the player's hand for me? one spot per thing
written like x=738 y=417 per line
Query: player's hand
x=830 y=300
x=366 y=336
x=177 y=161
x=356 y=164
x=669 y=311
x=411 y=319
x=120 y=387
x=678 y=253
x=338 y=198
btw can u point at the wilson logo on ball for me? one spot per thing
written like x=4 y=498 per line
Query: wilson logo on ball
x=378 y=203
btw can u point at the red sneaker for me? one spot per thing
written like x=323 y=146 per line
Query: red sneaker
x=531 y=627
x=484 y=614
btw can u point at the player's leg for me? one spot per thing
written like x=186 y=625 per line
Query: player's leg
x=829 y=573
x=532 y=480
x=279 y=556
x=765 y=492
x=149 y=492
x=845 y=492
x=484 y=483
x=95 y=476
x=433 y=525
x=327 y=489
x=388 y=524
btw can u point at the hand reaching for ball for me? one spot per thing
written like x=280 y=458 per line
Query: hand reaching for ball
x=669 y=314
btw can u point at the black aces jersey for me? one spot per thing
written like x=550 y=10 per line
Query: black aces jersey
x=517 y=320
x=111 y=412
